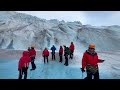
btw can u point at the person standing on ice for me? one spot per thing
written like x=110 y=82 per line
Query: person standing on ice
x=72 y=47
x=66 y=53
x=61 y=53
x=90 y=62
x=23 y=65
x=32 y=54
x=45 y=54
x=53 y=48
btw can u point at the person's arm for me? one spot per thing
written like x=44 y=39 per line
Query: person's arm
x=84 y=59
x=48 y=53
x=19 y=64
x=100 y=60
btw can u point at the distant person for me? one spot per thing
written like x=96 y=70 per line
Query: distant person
x=72 y=47
x=32 y=53
x=90 y=61
x=53 y=48
x=60 y=53
x=66 y=53
x=23 y=65
x=45 y=54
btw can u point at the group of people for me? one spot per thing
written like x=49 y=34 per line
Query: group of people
x=68 y=51
x=90 y=59
x=23 y=64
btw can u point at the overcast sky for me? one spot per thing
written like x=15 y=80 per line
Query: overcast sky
x=95 y=18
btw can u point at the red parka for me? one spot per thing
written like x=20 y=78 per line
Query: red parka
x=72 y=47
x=90 y=59
x=45 y=52
x=24 y=60
x=32 y=53
x=61 y=50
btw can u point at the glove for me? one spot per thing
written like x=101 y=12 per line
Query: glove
x=82 y=69
x=102 y=60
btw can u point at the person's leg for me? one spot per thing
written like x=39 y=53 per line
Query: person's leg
x=89 y=75
x=52 y=56
x=25 y=73
x=20 y=74
x=66 y=61
x=32 y=63
x=47 y=58
x=96 y=75
x=44 y=59
x=60 y=58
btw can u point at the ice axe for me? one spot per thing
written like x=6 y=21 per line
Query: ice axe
x=82 y=71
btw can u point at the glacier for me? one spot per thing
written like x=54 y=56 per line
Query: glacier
x=19 y=31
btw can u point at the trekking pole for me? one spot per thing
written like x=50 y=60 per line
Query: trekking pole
x=82 y=75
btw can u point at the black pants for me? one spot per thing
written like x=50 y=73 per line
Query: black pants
x=66 y=60
x=45 y=57
x=89 y=75
x=53 y=56
x=60 y=57
x=23 y=71
x=32 y=63
x=71 y=54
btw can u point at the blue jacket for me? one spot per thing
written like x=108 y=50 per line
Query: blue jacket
x=53 y=48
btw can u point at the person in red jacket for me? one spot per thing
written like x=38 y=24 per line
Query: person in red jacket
x=32 y=54
x=90 y=62
x=45 y=54
x=23 y=65
x=72 y=47
x=60 y=53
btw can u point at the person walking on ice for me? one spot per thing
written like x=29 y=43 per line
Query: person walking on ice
x=45 y=54
x=53 y=48
x=72 y=47
x=90 y=62
x=61 y=53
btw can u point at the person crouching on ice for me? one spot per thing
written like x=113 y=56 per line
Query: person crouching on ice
x=45 y=54
x=90 y=61
x=23 y=65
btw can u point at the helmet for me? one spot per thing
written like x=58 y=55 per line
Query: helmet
x=32 y=46
x=92 y=46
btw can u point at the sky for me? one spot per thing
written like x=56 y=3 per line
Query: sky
x=94 y=18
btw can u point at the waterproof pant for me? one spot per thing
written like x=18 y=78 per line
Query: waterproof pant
x=53 y=56
x=22 y=71
x=89 y=75
x=45 y=57
x=66 y=60
x=71 y=54
x=32 y=63
x=60 y=57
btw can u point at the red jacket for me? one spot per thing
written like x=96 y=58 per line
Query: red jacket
x=72 y=47
x=61 y=50
x=24 y=60
x=32 y=52
x=46 y=53
x=90 y=59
